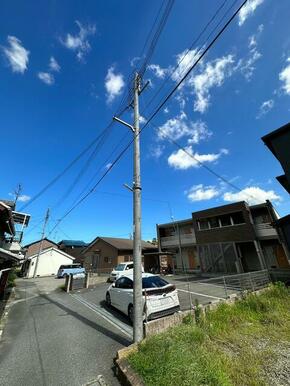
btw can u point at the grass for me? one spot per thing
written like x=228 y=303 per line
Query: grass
x=11 y=279
x=232 y=345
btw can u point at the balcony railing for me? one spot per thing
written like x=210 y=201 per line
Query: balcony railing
x=265 y=231
x=185 y=239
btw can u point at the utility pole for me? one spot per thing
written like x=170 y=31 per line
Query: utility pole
x=41 y=242
x=137 y=243
x=137 y=247
x=17 y=192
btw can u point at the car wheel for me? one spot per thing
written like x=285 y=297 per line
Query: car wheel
x=108 y=299
x=131 y=313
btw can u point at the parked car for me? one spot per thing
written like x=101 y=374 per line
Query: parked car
x=160 y=298
x=75 y=269
x=120 y=270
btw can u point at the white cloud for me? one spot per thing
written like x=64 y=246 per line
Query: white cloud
x=284 y=77
x=185 y=160
x=46 y=78
x=142 y=119
x=179 y=127
x=158 y=71
x=213 y=75
x=247 y=65
x=265 y=108
x=166 y=110
x=201 y=192
x=253 y=195
x=16 y=54
x=53 y=64
x=108 y=166
x=79 y=42
x=248 y=9
x=156 y=151
x=114 y=84
x=134 y=61
x=184 y=60
x=23 y=198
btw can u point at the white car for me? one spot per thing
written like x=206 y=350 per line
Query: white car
x=160 y=298
x=122 y=269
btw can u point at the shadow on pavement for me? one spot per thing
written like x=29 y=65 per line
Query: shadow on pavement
x=97 y=327
x=116 y=313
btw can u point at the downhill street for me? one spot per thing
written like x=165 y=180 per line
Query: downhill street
x=50 y=338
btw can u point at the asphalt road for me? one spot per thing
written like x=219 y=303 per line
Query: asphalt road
x=52 y=338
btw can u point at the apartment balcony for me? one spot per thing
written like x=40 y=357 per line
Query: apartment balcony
x=173 y=241
x=12 y=244
x=265 y=231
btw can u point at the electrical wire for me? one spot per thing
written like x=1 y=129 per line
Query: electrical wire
x=153 y=114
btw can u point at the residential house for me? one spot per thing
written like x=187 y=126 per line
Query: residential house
x=34 y=247
x=104 y=253
x=46 y=263
x=73 y=248
x=278 y=142
x=12 y=224
x=228 y=239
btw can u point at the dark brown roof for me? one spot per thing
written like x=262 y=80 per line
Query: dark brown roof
x=38 y=241
x=268 y=138
x=122 y=244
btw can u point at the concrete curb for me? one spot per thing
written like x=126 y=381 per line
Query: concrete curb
x=124 y=372
x=6 y=309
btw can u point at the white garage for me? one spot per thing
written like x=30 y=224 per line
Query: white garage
x=48 y=263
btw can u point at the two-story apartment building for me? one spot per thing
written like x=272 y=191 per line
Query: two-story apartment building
x=230 y=238
x=178 y=238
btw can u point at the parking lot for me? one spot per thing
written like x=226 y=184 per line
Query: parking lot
x=190 y=290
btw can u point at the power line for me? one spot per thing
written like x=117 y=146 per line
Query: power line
x=168 y=76
x=153 y=114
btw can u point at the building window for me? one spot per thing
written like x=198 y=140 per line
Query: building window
x=238 y=218
x=203 y=224
x=214 y=223
x=225 y=220
x=128 y=258
x=108 y=260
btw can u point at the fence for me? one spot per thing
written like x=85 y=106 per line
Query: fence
x=192 y=289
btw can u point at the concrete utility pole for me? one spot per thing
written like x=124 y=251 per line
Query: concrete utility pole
x=137 y=243
x=137 y=247
x=41 y=242
x=17 y=193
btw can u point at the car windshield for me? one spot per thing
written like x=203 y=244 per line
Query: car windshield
x=120 y=267
x=153 y=282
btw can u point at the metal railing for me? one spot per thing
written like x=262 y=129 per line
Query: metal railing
x=192 y=288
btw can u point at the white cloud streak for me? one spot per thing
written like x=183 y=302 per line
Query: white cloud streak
x=53 y=65
x=248 y=9
x=158 y=71
x=184 y=160
x=16 y=54
x=79 y=42
x=265 y=108
x=201 y=193
x=252 y=194
x=179 y=127
x=213 y=75
x=114 y=84
x=284 y=77
x=46 y=78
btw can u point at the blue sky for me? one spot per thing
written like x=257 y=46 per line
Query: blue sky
x=63 y=73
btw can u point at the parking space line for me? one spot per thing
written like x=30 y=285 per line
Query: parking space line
x=105 y=315
x=199 y=294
